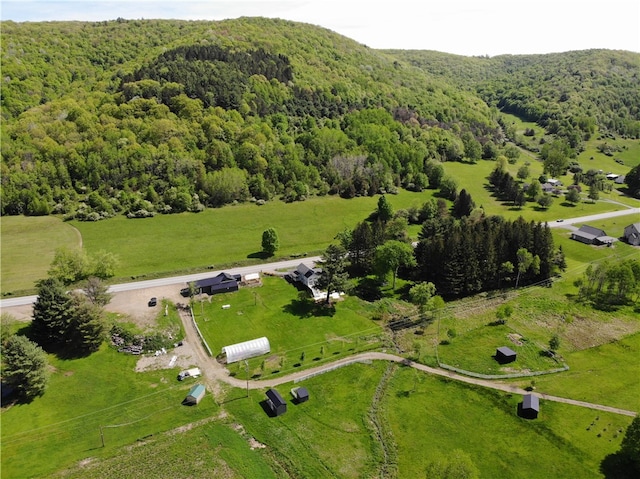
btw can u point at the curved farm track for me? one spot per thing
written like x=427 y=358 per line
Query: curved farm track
x=214 y=371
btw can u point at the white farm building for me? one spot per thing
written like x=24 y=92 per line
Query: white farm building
x=246 y=350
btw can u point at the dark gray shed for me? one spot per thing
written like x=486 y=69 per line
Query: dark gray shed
x=529 y=407
x=275 y=402
x=505 y=355
x=300 y=394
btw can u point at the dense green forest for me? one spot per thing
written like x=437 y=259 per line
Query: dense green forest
x=157 y=116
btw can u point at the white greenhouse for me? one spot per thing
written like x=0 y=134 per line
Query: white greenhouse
x=246 y=350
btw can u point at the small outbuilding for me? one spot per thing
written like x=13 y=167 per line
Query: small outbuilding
x=300 y=395
x=529 y=407
x=248 y=349
x=195 y=395
x=505 y=355
x=276 y=403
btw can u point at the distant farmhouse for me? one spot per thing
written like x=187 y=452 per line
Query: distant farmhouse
x=591 y=235
x=632 y=234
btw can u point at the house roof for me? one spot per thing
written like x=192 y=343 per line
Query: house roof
x=506 y=351
x=275 y=397
x=216 y=280
x=530 y=401
x=247 y=349
x=305 y=271
x=590 y=230
x=631 y=227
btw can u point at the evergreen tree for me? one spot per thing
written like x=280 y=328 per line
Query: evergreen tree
x=52 y=313
x=25 y=367
x=87 y=329
x=632 y=180
x=334 y=276
x=463 y=204
x=385 y=211
x=630 y=447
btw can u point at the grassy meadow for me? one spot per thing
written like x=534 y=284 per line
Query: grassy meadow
x=83 y=396
x=28 y=246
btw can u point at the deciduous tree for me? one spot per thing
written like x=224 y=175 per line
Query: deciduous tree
x=270 y=242
x=421 y=294
x=97 y=292
x=391 y=255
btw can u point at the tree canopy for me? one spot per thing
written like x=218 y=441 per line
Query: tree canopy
x=25 y=367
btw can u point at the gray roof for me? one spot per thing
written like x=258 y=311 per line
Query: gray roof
x=531 y=401
x=275 y=397
x=590 y=230
x=506 y=351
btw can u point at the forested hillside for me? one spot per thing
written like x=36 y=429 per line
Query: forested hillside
x=569 y=94
x=157 y=116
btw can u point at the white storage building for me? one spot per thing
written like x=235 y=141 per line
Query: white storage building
x=246 y=350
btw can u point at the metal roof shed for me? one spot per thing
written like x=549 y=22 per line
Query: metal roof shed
x=246 y=350
x=529 y=407
x=195 y=394
x=505 y=355
x=276 y=403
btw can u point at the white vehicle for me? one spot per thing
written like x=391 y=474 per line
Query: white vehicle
x=189 y=373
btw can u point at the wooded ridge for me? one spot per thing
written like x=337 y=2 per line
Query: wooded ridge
x=159 y=116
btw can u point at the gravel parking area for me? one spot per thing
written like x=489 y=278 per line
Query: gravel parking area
x=134 y=304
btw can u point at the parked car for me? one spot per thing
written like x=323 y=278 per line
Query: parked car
x=153 y=301
x=189 y=373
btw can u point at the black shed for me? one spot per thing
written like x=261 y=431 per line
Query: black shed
x=505 y=355
x=529 y=407
x=275 y=402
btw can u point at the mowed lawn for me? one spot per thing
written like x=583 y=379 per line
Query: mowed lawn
x=292 y=326
x=28 y=246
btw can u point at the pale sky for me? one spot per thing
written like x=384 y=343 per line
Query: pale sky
x=465 y=27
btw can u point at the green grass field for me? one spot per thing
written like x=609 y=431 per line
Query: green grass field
x=293 y=327
x=28 y=245
x=229 y=235
x=84 y=395
x=483 y=423
x=474 y=352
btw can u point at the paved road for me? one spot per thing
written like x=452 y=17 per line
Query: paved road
x=179 y=280
x=601 y=216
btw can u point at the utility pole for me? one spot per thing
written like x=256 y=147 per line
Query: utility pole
x=246 y=365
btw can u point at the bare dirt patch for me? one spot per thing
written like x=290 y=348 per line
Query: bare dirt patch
x=184 y=354
x=515 y=339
